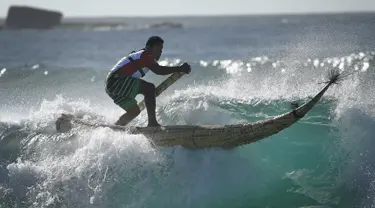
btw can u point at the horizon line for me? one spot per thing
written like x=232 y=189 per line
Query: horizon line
x=216 y=15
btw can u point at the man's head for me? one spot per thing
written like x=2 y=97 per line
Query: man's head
x=155 y=45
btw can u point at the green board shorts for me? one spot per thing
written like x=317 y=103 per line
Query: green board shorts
x=123 y=90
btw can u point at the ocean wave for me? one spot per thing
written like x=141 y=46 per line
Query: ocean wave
x=100 y=167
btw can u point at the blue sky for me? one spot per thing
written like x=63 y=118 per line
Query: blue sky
x=189 y=7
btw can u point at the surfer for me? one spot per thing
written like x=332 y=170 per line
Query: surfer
x=124 y=82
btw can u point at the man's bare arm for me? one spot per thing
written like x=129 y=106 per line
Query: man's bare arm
x=164 y=70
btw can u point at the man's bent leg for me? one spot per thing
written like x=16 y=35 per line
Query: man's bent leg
x=148 y=90
x=130 y=114
x=123 y=92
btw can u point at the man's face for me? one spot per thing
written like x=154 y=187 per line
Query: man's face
x=157 y=50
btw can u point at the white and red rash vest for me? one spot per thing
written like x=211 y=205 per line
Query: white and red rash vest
x=135 y=64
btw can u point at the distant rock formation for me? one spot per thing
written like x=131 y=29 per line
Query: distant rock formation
x=166 y=25
x=23 y=17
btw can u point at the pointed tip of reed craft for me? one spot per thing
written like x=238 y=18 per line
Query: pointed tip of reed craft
x=335 y=76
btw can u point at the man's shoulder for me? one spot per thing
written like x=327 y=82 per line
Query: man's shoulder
x=145 y=53
x=147 y=56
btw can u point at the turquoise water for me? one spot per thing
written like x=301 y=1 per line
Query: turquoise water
x=244 y=69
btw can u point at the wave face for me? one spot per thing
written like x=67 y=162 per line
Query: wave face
x=241 y=72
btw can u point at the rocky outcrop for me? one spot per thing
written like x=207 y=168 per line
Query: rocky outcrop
x=23 y=17
x=166 y=25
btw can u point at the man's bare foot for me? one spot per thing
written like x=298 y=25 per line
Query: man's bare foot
x=153 y=124
x=119 y=123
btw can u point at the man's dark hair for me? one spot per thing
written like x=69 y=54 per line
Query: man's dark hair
x=153 y=40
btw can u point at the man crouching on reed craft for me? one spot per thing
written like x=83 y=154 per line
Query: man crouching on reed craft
x=124 y=82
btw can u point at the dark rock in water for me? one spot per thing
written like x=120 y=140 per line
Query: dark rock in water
x=23 y=17
x=2 y=23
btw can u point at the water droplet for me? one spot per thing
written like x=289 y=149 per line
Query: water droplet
x=36 y=66
x=316 y=62
x=2 y=71
x=203 y=63
x=366 y=65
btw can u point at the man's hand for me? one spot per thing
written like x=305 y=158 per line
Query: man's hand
x=185 y=67
x=164 y=70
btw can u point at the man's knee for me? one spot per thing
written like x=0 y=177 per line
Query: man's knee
x=148 y=88
x=152 y=88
